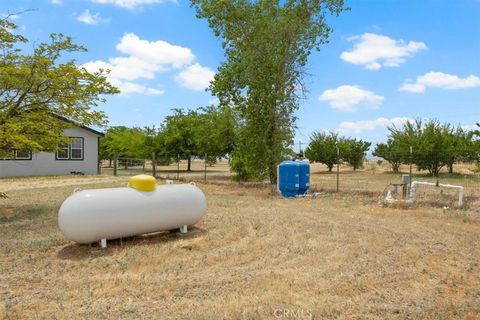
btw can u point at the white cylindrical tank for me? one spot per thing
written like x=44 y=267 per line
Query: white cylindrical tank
x=88 y=216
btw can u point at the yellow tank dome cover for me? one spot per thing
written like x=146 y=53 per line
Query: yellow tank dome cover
x=143 y=182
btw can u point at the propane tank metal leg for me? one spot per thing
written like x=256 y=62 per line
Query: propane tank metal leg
x=183 y=229
x=103 y=243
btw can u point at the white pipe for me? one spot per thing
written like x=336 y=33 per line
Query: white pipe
x=413 y=190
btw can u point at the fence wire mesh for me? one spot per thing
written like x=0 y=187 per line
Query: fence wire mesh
x=373 y=179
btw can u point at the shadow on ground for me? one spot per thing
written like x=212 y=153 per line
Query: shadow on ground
x=78 y=252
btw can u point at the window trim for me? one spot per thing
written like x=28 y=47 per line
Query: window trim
x=70 y=151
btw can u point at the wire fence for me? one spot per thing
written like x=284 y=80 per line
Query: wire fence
x=374 y=179
x=195 y=169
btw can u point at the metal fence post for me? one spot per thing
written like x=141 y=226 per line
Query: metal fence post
x=178 y=166
x=154 y=165
x=338 y=167
x=115 y=161
x=205 y=178
x=410 y=173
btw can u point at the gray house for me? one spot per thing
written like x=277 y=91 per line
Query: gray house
x=79 y=156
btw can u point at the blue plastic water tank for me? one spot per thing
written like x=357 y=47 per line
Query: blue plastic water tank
x=304 y=176
x=288 y=178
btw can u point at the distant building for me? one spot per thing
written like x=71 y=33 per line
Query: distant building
x=80 y=156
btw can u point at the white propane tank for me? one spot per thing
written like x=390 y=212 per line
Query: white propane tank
x=88 y=216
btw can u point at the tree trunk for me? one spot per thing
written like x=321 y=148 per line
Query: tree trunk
x=273 y=173
x=189 y=164
x=395 y=167
x=109 y=163
x=330 y=167
x=450 y=168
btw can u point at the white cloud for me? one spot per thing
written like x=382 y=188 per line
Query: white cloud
x=91 y=19
x=118 y=77
x=348 y=98
x=412 y=87
x=469 y=127
x=357 y=127
x=375 y=51
x=195 y=77
x=56 y=1
x=128 y=4
x=440 y=80
x=131 y=87
x=159 y=52
x=214 y=101
x=145 y=59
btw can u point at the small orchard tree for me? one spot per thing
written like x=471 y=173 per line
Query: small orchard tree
x=434 y=144
x=391 y=152
x=177 y=134
x=323 y=148
x=462 y=145
x=124 y=142
x=108 y=148
x=353 y=151
x=215 y=132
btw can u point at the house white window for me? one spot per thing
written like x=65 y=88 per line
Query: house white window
x=76 y=149
x=71 y=151
x=18 y=155
x=23 y=155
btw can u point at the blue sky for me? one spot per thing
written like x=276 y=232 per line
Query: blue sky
x=387 y=60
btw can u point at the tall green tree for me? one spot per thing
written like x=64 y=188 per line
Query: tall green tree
x=267 y=44
x=38 y=86
x=323 y=148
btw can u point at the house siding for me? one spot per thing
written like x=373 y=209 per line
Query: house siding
x=44 y=163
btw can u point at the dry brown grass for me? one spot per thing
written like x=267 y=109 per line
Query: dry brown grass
x=339 y=256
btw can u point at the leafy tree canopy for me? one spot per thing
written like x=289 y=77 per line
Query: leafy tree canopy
x=323 y=148
x=393 y=153
x=267 y=44
x=353 y=151
x=434 y=145
x=38 y=86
